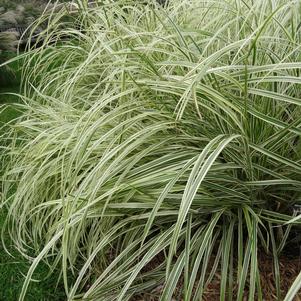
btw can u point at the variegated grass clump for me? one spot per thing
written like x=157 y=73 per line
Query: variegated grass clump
x=159 y=133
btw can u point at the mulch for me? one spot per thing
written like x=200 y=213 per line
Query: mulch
x=290 y=267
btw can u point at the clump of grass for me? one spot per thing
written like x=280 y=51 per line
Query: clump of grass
x=152 y=132
x=8 y=41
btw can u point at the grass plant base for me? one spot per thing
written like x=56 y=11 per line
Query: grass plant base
x=290 y=267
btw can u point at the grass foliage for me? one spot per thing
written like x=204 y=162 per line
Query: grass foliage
x=157 y=146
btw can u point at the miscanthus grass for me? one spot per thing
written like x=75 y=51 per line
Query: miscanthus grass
x=159 y=134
